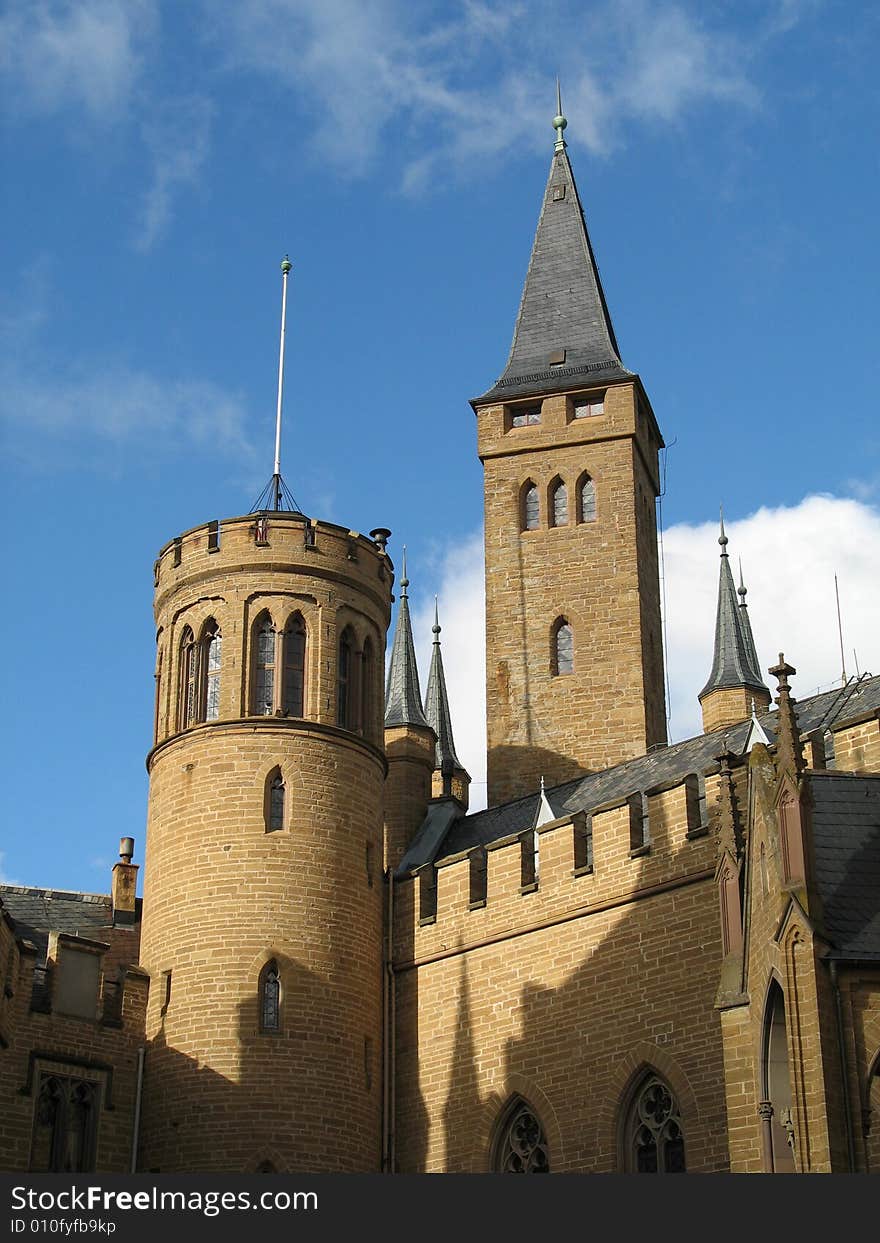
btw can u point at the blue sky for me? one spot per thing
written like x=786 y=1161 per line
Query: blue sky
x=158 y=161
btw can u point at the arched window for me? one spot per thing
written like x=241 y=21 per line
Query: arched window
x=264 y=668
x=275 y=801
x=654 y=1138
x=368 y=676
x=210 y=663
x=294 y=677
x=559 y=504
x=186 y=699
x=562 y=653
x=520 y=1143
x=776 y=1083
x=270 y=998
x=529 y=508
x=586 y=500
x=346 y=694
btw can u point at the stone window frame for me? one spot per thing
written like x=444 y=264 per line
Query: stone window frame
x=592 y=398
x=270 y=1011
x=529 y=493
x=653 y=1122
x=68 y=1075
x=556 y=666
x=519 y=1144
x=556 y=486
x=271 y=813
x=586 y=514
x=523 y=414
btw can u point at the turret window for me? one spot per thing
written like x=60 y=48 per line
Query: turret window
x=264 y=669
x=367 y=689
x=559 y=504
x=270 y=998
x=275 y=799
x=530 y=507
x=585 y=405
x=186 y=711
x=562 y=651
x=346 y=697
x=586 y=500
x=211 y=653
x=294 y=679
x=525 y=416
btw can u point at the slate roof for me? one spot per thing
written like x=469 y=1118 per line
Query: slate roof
x=846 y=838
x=403 y=699
x=563 y=304
x=664 y=765
x=735 y=661
x=37 y=912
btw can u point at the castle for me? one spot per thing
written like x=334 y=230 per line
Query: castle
x=640 y=957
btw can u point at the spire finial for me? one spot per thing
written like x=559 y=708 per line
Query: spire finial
x=722 y=538
x=741 y=589
x=559 y=121
x=435 y=629
x=404 y=582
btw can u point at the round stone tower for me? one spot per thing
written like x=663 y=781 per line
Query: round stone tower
x=262 y=928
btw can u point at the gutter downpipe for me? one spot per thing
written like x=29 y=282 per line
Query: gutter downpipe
x=136 y=1130
x=844 y=1069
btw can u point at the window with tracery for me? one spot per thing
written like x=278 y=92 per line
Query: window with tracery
x=294 y=679
x=560 y=504
x=654 y=1136
x=186 y=700
x=521 y=1145
x=530 y=507
x=211 y=652
x=264 y=669
x=270 y=998
x=65 y=1125
x=562 y=655
x=586 y=500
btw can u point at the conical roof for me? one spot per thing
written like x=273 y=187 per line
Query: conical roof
x=403 y=700
x=563 y=314
x=735 y=661
x=437 y=708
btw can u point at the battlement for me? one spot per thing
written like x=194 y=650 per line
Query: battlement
x=264 y=543
x=645 y=842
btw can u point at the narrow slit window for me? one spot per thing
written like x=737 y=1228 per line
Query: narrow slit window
x=587 y=500
x=562 y=656
x=560 y=504
x=530 y=507
x=187 y=693
x=275 y=803
x=212 y=648
x=270 y=998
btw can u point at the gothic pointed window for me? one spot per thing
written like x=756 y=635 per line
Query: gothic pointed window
x=65 y=1125
x=270 y=998
x=211 y=652
x=562 y=653
x=294 y=678
x=776 y=1083
x=275 y=801
x=264 y=668
x=520 y=1144
x=586 y=500
x=346 y=698
x=559 y=503
x=186 y=699
x=654 y=1135
x=529 y=506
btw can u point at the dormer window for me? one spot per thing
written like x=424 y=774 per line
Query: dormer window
x=525 y=416
x=585 y=405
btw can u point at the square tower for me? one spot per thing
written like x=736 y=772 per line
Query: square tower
x=569 y=446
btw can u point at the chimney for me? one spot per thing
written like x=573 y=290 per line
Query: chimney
x=123 y=886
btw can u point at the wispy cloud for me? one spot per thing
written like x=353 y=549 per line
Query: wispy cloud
x=177 y=136
x=789 y=555
x=480 y=81
x=74 y=55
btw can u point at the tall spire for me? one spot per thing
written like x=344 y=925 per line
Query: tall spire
x=403 y=701
x=733 y=665
x=563 y=335
x=746 y=626
x=437 y=709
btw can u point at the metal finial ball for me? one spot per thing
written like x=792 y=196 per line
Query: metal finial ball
x=722 y=540
x=286 y=265
x=435 y=629
x=559 y=122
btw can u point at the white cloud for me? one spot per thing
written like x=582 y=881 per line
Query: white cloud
x=63 y=55
x=790 y=556
x=479 y=81
x=177 y=136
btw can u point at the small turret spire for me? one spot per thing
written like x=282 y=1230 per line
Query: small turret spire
x=559 y=121
x=437 y=711
x=735 y=662
x=403 y=699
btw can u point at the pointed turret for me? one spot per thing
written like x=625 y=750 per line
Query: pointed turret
x=403 y=700
x=563 y=332
x=409 y=740
x=450 y=776
x=746 y=627
x=734 y=686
